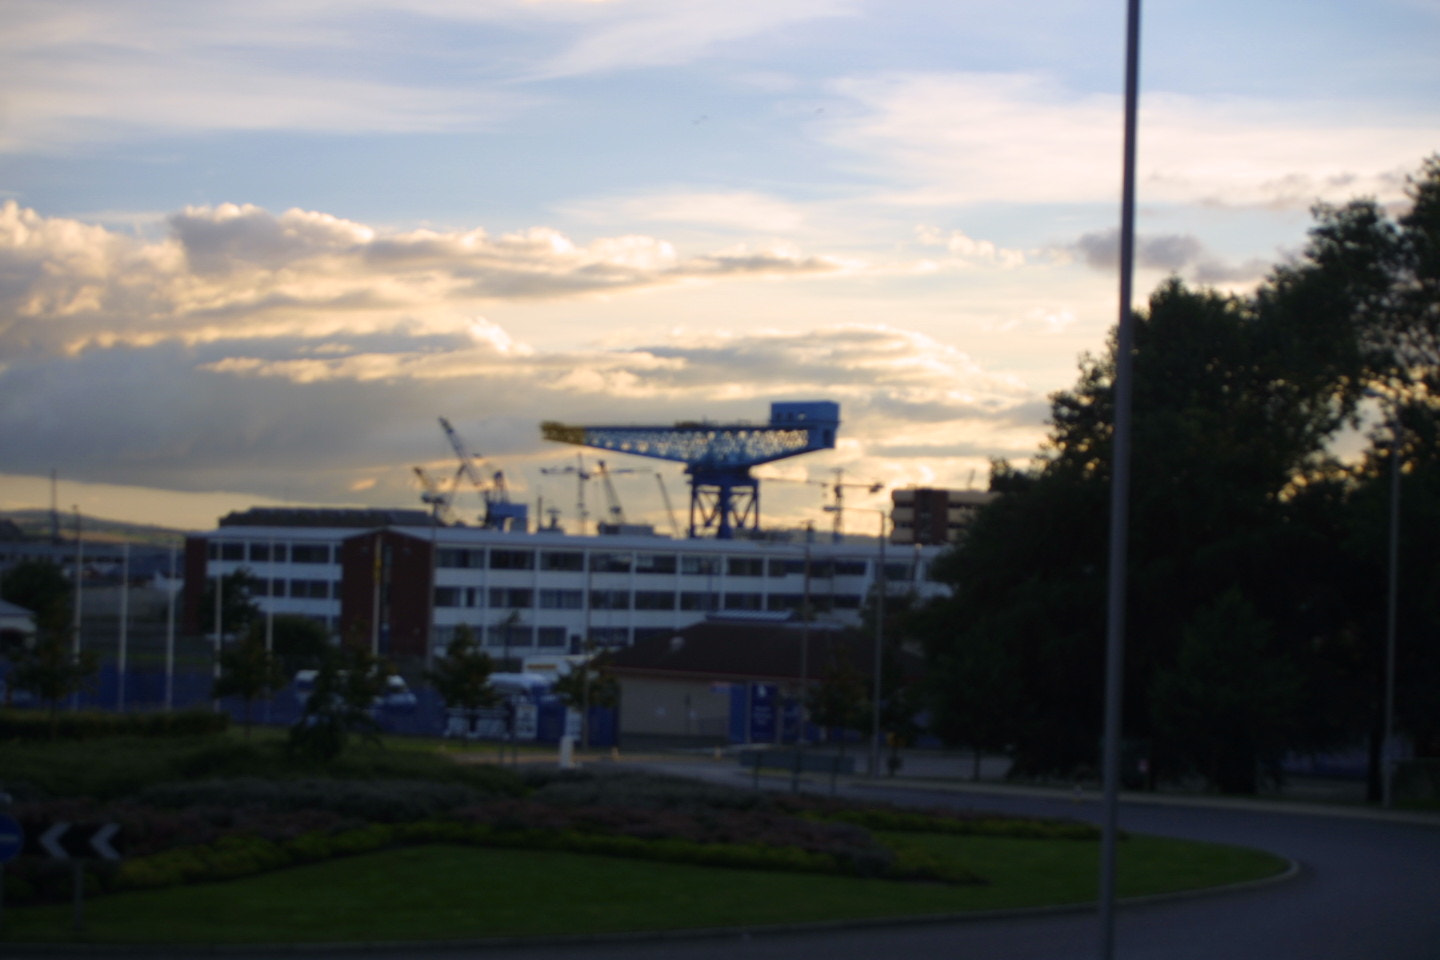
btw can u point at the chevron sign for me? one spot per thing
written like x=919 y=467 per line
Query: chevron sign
x=76 y=841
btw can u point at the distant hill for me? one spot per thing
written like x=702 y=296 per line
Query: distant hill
x=35 y=525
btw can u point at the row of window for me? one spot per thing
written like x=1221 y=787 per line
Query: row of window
x=509 y=598
x=570 y=560
x=658 y=563
x=519 y=638
x=299 y=589
x=270 y=552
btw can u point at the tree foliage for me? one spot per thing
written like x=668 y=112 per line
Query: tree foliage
x=41 y=587
x=462 y=676
x=238 y=609
x=1247 y=534
x=348 y=683
x=248 y=670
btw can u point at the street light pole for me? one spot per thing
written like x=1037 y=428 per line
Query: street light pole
x=1387 y=772
x=879 y=652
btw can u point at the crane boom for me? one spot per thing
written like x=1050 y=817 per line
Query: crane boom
x=718 y=457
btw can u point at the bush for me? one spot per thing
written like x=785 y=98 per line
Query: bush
x=385 y=801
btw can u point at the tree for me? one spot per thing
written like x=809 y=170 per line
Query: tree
x=1237 y=402
x=841 y=699
x=41 y=587
x=587 y=685
x=348 y=683
x=462 y=676
x=248 y=671
x=299 y=642
x=53 y=672
x=1229 y=703
x=238 y=609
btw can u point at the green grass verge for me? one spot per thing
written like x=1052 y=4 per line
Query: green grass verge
x=120 y=766
x=447 y=893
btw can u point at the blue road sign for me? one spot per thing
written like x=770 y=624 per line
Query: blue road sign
x=12 y=838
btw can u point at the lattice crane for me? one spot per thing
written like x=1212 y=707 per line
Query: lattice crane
x=724 y=496
x=500 y=513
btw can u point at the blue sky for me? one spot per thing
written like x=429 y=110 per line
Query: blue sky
x=250 y=252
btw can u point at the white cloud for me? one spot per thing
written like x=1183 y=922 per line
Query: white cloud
x=648 y=33
x=976 y=138
x=738 y=209
x=240 y=271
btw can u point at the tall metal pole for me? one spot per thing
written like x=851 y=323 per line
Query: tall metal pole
x=170 y=636
x=124 y=626
x=1119 y=496
x=879 y=653
x=804 y=667
x=1387 y=773
x=79 y=589
x=219 y=615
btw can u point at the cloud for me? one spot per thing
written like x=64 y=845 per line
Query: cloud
x=972 y=138
x=293 y=419
x=650 y=33
x=970 y=251
x=237 y=271
x=1178 y=254
x=734 y=209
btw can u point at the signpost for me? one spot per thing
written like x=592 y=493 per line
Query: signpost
x=77 y=842
x=12 y=841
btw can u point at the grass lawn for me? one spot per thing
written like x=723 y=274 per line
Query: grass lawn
x=441 y=893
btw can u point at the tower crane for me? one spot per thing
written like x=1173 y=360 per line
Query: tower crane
x=435 y=498
x=500 y=513
x=613 y=509
x=837 y=489
x=724 y=496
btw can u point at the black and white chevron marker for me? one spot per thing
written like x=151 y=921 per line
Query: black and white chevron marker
x=78 y=841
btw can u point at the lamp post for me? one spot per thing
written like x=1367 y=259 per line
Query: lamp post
x=1387 y=759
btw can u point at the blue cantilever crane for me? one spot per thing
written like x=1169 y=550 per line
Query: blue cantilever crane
x=718 y=457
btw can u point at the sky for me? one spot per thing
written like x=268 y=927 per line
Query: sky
x=251 y=252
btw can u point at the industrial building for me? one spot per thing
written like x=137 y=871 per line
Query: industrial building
x=934 y=517
x=395 y=578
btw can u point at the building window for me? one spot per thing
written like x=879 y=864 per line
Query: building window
x=785 y=601
x=847 y=601
x=654 y=600
x=562 y=599
x=610 y=562
x=259 y=553
x=447 y=596
x=899 y=571
x=232 y=551
x=277 y=588
x=610 y=636
x=455 y=559
x=512 y=560
x=562 y=560
x=551 y=636
x=649 y=633
x=511 y=598
x=509 y=635
x=310 y=589
x=700 y=566
x=609 y=599
x=742 y=601
x=851 y=568
x=310 y=553
x=699 y=601
x=655 y=563
x=746 y=567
